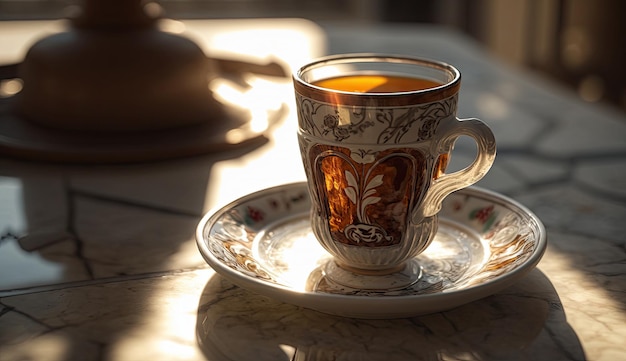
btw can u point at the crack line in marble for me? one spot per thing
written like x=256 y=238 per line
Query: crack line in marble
x=71 y=215
x=565 y=349
x=205 y=306
x=549 y=126
x=528 y=150
x=95 y=282
x=600 y=193
x=11 y=309
x=131 y=203
x=529 y=184
x=5 y=309
x=8 y=236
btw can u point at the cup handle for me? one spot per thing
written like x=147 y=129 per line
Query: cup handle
x=448 y=183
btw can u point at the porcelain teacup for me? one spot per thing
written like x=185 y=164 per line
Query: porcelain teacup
x=375 y=134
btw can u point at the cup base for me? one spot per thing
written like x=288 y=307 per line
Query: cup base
x=396 y=278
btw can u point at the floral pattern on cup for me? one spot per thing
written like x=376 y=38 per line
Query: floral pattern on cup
x=364 y=231
x=368 y=193
x=380 y=125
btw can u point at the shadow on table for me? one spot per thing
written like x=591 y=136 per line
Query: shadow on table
x=525 y=321
x=85 y=222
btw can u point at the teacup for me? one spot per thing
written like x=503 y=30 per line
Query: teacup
x=376 y=133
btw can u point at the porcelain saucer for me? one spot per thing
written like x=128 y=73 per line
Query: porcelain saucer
x=263 y=242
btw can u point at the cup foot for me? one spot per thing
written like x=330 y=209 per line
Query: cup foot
x=401 y=277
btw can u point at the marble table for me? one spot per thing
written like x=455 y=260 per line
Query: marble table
x=99 y=262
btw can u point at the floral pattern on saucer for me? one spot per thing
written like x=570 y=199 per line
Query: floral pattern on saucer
x=234 y=231
x=263 y=242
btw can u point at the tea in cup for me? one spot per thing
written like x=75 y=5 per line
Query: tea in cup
x=375 y=134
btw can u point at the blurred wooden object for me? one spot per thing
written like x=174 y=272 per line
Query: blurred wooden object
x=115 y=71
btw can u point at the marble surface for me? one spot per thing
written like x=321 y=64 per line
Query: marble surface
x=100 y=262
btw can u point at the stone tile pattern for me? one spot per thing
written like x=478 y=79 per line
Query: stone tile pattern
x=563 y=159
x=133 y=285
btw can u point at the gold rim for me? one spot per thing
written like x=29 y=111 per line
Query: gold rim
x=444 y=91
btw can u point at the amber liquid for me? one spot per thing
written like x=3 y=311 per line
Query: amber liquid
x=376 y=83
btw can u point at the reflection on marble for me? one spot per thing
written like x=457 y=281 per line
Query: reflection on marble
x=524 y=321
x=147 y=318
x=160 y=317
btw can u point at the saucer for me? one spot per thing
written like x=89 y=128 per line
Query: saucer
x=241 y=126
x=263 y=242
x=25 y=140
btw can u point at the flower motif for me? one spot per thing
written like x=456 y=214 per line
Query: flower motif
x=254 y=215
x=482 y=215
x=341 y=133
x=331 y=121
x=363 y=156
x=485 y=216
x=366 y=233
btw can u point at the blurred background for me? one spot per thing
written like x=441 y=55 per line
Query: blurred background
x=580 y=43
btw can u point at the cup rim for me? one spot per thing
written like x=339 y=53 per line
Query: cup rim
x=413 y=97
